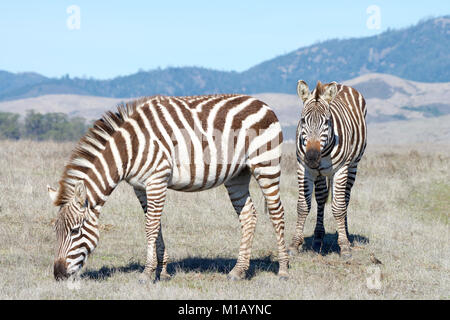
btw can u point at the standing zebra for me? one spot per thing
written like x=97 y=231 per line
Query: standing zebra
x=331 y=138
x=179 y=143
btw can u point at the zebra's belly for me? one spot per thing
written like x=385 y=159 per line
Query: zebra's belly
x=199 y=177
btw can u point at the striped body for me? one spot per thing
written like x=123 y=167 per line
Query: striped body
x=184 y=144
x=331 y=139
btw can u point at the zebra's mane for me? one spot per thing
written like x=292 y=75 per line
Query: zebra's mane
x=318 y=91
x=90 y=144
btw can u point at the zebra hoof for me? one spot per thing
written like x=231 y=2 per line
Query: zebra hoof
x=144 y=279
x=292 y=251
x=235 y=276
x=346 y=253
x=164 y=276
x=346 y=256
x=284 y=276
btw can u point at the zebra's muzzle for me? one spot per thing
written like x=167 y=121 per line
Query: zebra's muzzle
x=60 y=270
x=312 y=158
x=312 y=153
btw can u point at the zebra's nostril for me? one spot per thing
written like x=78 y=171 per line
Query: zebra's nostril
x=60 y=270
x=312 y=155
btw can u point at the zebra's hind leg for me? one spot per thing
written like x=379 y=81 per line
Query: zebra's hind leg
x=161 y=253
x=305 y=189
x=321 y=194
x=343 y=183
x=162 y=256
x=268 y=178
x=240 y=197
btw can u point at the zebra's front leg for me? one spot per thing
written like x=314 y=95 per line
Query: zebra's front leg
x=240 y=197
x=161 y=253
x=321 y=193
x=156 y=195
x=341 y=195
x=305 y=189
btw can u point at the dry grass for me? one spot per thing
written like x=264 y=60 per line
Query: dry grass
x=399 y=213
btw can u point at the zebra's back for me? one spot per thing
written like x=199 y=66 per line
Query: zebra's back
x=349 y=112
x=208 y=139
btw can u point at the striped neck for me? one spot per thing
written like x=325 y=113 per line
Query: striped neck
x=97 y=160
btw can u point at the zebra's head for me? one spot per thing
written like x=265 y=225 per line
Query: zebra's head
x=76 y=231
x=316 y=123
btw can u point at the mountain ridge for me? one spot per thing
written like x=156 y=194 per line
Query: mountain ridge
x=418 y=53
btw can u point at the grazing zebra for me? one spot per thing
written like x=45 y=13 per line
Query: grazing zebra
x=330 y=141
x=179 y=143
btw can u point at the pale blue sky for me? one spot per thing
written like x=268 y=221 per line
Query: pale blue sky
x=120 y=37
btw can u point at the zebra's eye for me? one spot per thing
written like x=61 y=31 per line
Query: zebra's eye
x=303 y=140
x=75 y=231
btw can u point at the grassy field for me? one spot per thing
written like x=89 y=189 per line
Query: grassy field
x=399 y=212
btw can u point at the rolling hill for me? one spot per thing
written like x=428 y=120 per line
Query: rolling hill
x=390 y=101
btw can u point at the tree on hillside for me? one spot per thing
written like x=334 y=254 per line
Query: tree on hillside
x=34 y=128
x=9 y=126
x=53 y=126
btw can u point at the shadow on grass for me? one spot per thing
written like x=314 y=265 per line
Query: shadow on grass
x=330 y=243
x=224 y=265
x=190 y=264
x=106 y=272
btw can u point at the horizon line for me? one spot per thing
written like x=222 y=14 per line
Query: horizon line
x=167 y=67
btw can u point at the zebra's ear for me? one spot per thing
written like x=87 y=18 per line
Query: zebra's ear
x=53 y=193
x=303 y=90
x=80 y=193
x=330 y=92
